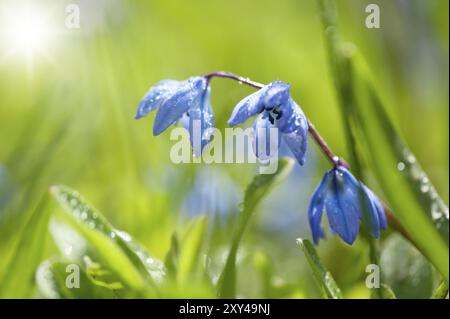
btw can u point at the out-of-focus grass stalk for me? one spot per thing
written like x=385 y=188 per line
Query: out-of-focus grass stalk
x=352 y=85
x=341 y=75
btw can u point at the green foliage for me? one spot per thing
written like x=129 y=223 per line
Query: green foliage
x=29 y=251
x=255 y=192
x=51 y=279
x=118 y=250
x=406 y=186
x=405 y=269
x=321 y=274
x=384 y=292
x=441 y=291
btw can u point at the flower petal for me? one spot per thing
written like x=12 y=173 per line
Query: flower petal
x=372 y=217
x=266 y=138
x=376 y=211
x=297 y=139
x=201 y=123
x=271 y=95
x=342 y=206
x=292 y=117
x=316 y=207
x=188 y=95
x=155 y=96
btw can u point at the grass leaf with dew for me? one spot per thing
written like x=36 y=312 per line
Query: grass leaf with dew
x=407 y=187
x=323 y=277
x=125 y=256
x=441 y=292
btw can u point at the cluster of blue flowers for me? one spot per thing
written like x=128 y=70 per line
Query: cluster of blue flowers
x=346 y=200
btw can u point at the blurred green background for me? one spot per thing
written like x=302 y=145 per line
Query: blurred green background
x=66 y=117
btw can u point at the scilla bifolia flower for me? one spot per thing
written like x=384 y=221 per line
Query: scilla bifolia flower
x=346 y=201
x=187 y=100
x=275 y=109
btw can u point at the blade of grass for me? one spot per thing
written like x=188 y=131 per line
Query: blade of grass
x=18 y=281
x=441 y=291
x=323 y=277
x=190 y=249
x=137 y=261
x=414 y=199
x=255 y=192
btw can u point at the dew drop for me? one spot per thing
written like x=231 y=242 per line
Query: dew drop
x=84 y=215
x=424 y=188
x=401 y=166
x=435 y=212
x=76 y=213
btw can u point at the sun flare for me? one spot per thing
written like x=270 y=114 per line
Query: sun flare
x=25 y=31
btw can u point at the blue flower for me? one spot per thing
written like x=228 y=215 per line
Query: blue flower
x=187 y=100
x=340 y=194
x=275 y=109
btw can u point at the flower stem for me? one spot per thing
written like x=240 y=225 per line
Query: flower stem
x=320 y=141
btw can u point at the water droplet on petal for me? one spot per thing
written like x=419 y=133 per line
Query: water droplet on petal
x=401 y=166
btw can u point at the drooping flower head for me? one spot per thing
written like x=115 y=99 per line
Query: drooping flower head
x=274 y=108
x=347 y=201
x=187 y=100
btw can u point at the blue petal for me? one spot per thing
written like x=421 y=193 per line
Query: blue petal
x=156 y=96
x=188 y=95
x=201 y=123
x=297 y=139
x=377 y=211
x=277 y=93
x=372 y=217
x=315 y=209
x=342 y=206
x=267 y=138
x=292 y=117
x=273 y=94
